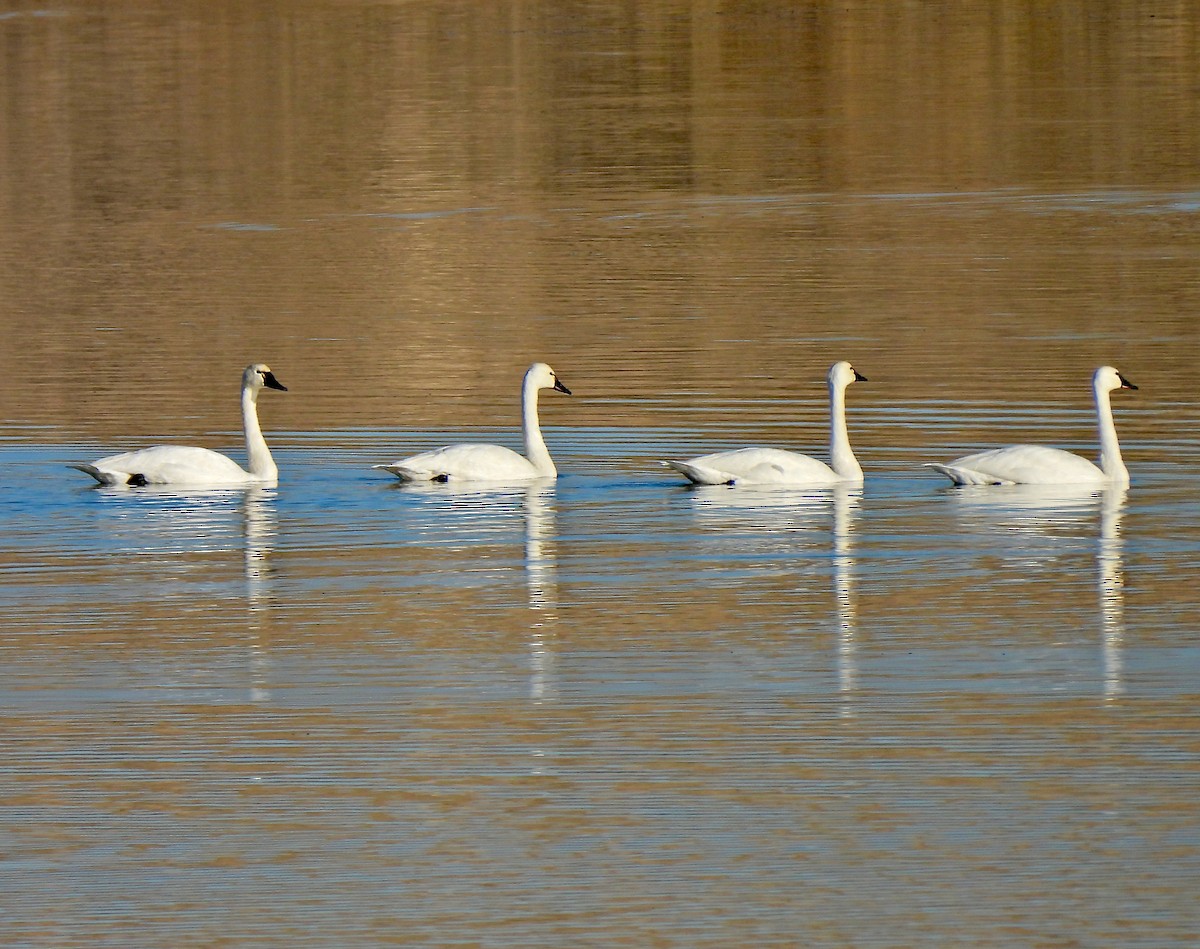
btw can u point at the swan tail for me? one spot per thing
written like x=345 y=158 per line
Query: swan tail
x=698 y=474
x=966 y=475
x=409 y=474
x=106 y=477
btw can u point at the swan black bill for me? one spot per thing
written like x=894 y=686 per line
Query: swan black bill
x=1125 y=383
x=559 y=387
x=271 y=382
x=859 y=377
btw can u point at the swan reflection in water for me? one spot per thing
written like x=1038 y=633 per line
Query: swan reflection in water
x=261 y=527
x=1037 y=508
x=779 y=509
x=489 y=508
x=1111 y=582
x=181 y=520
x=845 y=506
x=542 y=585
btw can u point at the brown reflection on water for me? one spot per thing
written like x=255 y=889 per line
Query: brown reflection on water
x=795 y=701
x=400 y=205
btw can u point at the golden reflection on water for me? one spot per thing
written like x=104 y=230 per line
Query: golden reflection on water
x=399 y=205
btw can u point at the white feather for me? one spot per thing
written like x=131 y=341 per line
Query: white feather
x=180 y=464
x=1037 y=464
x=776 y=466
x=480 y=462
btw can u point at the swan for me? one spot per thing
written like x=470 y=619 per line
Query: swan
x=491 y=462
x=776 y=466
x=178 y=464
x=1036 y=464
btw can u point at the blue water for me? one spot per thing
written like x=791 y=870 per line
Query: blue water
x=619 y=700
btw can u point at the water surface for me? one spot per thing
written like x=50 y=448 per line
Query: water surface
x=614 y=709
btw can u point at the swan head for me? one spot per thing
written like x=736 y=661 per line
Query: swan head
x=541 y=376
x=841 y=374
x=1107 y=378
x=259 y=376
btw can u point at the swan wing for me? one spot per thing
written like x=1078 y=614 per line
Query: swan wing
x=698 y=473
x=465 y=463
x=102 y=476
x=166 y=464
x=756 y=466
x=1021 y=464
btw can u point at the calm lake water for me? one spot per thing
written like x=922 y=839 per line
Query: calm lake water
x=613 y=710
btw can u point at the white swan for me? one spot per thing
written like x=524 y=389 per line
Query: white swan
x=775 y=466
x=1036 y=464
x=491 y=462
x=177 y=464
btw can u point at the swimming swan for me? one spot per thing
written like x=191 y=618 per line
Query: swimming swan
x=1036 y=464
x=491 y=462
x=177 y=464
x=775 y=466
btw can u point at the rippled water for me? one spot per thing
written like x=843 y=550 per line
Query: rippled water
x=613 y=710
x=613 y=705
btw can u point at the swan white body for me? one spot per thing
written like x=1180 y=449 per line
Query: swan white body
x=1036 y=464
x=776 y=466
x=492 y=462
x=185 y=465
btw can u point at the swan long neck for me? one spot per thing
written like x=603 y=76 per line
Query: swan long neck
x=258 y=455
x=1111 y=462
x=535 y=446
x=841 y=457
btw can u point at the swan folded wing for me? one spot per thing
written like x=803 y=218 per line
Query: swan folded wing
x=401 y=472
x=166 y=464
x=1021 y=464
x=107 y=478
x=757 y=466
x=698 y=474
x=965 y=475
x=465 y=463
